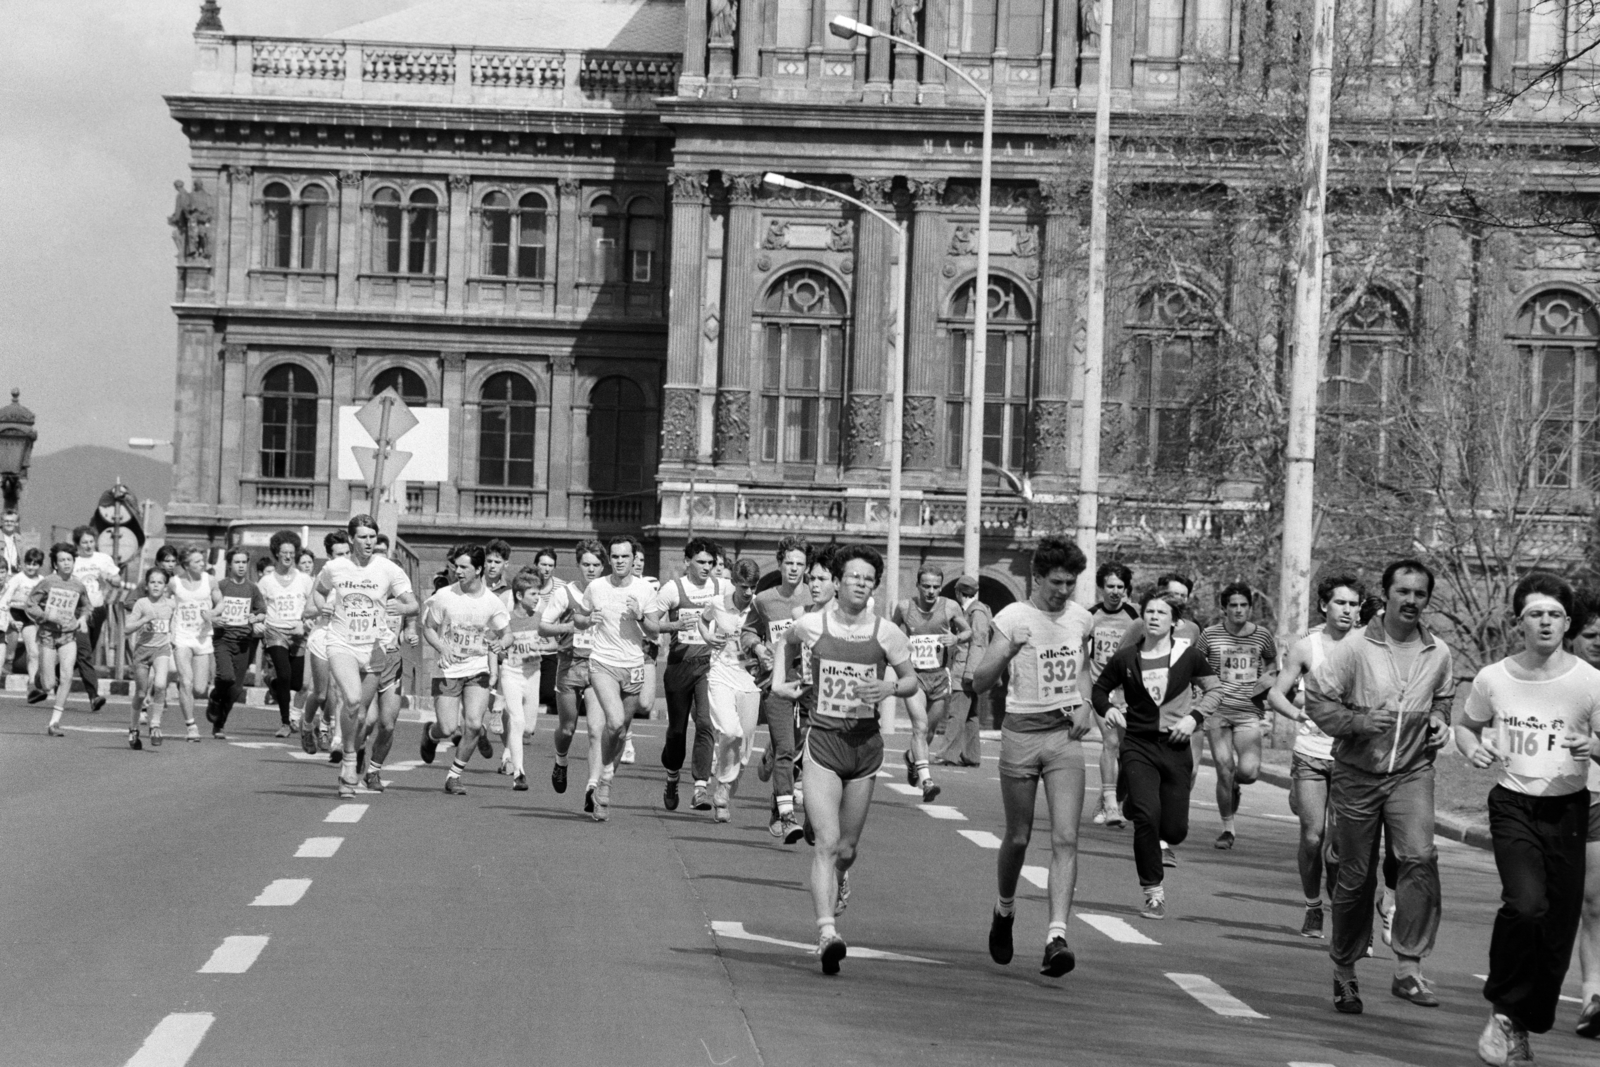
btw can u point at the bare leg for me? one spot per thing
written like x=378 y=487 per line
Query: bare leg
x=1589 y=933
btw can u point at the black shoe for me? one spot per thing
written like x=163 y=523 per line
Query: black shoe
x=669 y=795
x=374 y=781
x=1415 y=990
x=1058 y=958
x=1000 y=947
x=930 y=792
x=485 y=749
x=133 y=740
x=211 y=716
x=833 y=950
x=218 y=735
x=96 y=703
x=37 y=696
x=588 y=800
x=911 y=769
x=1589 y=1018
x=809 y=831
x=1346 y=996
x=1224 y=840
x=430 y=744
x=558 y=778
x=308 y=741
x=453 y=786
x=1169 y=858
x=520 y=783
x=361 y=762
x=1312 y=927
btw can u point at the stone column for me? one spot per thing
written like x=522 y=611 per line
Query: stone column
x=681 y=399
x=231 y=464
x=925 y=364
x=568 y=240
x=240 y=245
x=874 y=319
x=452 y=380
x=738 y=305
x=694 y=49
x=562 y=445
x=221 y=240
x=349 y=248
x=1059 y=363
x=1063 y=73
x=457 y=221
x=749 y=58
x=192 y=410
x=937 y=28
x=343 y=362
x=878 y=72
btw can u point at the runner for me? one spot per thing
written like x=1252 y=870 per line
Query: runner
x=460 y=622
x=59 y=606
x=652 y=653
x=615 y=606
x=572 y=671
x=737 y=654
x=383 y=710
x=848 y=648
x=962 y=746
x=1542 y=710
x=20 y=625
x=1241 y=652
x=98 y=572
x=1586 y=646
x=934 y=624
x=1113 y=616
x=314 y=730
x=1157 y=680
x=356 y=588
x=823 y=587
x=237 y=621
x=1042 y=641
x=285 y=589
x=195 y=598
x=149 y=630
x=496 y=556
x=676 y=610
x=773 y=615
x=520 y=669
x=1311 y=764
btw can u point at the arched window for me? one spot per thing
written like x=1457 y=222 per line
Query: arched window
x=1363 y=376
x=621 y=448
x=644 y=241
x=506 y=416
x=294 y=229
x=532 y=212
x=1008 y=374
x=289 y=423
x=603 y=249
x=312 y=218
x=277 y=227
x=495 y=235
x=388 y=229
x=1557 y=337
x=1172 y=332
x=408 y=383
x=802 y=387
x=405 y=235
x=513 y=242
x=422 y=237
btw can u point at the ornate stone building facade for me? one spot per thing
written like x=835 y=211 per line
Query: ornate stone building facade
x=591 y=222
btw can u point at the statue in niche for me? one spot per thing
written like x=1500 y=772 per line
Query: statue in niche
x=905 y=18
x=192 y=213
x=724 y=19
x=1089 y=22
x=1472 y=27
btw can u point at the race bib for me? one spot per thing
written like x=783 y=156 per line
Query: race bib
x=927 y=653
x=285 y=610
x=1106 y=640
x=188 y=616
x=235 y=611
x=1058 y=675
x=636 y=678
x=61 y=606
x=465 y=642
x=1155 y=683
x=1532 y=747
x=160 y=626
x=525 y=644
x=690 y=634
x=360 y=616
x=837 y=684
x=583 y=640
x=1241 y=667
x=778 y=629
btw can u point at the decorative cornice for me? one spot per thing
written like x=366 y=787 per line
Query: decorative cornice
x=453 y=361
x=688 y=186
x=874 y=191
x=562 y=363
x=460 y=182
x=927 y=193
x=742 y=188
x=238 y=172
x=569 y=186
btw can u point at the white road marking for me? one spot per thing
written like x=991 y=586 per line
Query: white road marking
x=1039 y=876
x=234 y=955
x=303 y=755
x=737 y=931
x=347 y=813
x=1268 y=815
x=905 y=790
x=318 y=848
x=942 y=811
x=1214 y=996
x=261 y=744
x=93 y=729
x=282 y=893
x=981 y=838
x=404 y=765
x=884 y=774
x=1116 y=929
x=173 y=1040
x=1303 y=1063
x=1569 y=1000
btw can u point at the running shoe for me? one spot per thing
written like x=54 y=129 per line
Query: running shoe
x=282 y=731
x=588 y=799
x=218 y=735
x=192 y=733
x=1312 y=926
x=1058 y=958
x=930 y=791
x=144 y=718
x=1496 y=1040
x=506 y=767
x=485 y=748
x=832 y=950
x=308 y=740
x=453 y=786
x=52 y=730
x=1169 y=858
x=347 y=790
x=374 y=781
x=775 y=822
x=155 y=737
x=1114 y=820
x=1100 y=814
x=37 y=696
x=1224 y=841
x=1154 y=908
x=1346 y=996
x=842 y=897
x=669 y=795
x=719 y=810
x=324 y=739
x=558 y=778
x=96 y=703
x=627 y=751
x=1589 y=1018
x=1000 y=947
x=430 y=744
x=602 y=801
x=792 y=830
x=1388 y=921
x=911 y=768
x=700 y=799
x=764 y=768
x=336 y=751
x=1415 y=989
x=133 y=740
x=520 y=783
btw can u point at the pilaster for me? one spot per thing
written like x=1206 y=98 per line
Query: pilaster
x=456 y=227
x=873 y=307
x=749 y=52
x=191 y=409
x=738 y=306
x=563 y=446
x=693 y=79
x=878 y=72
x=568 y=195
x=924 y=367
x=222 y=238
x=240 y=250
x=690 y=208
x=349 y=248
x=343 y=362
x=231 y=465
x=1059 y=364
x=452 y=394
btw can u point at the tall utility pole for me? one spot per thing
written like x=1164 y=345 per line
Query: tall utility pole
x=1094 y=335
x=1294 y=576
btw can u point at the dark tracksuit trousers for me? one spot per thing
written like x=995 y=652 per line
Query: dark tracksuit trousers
x=87 y=643
x=686 y=685
x=235 y=649
x=1153 y=787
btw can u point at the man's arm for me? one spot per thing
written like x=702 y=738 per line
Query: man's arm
x=1294 y=668
x=1000 y=653
x=1326 y=707
x=1110 y=680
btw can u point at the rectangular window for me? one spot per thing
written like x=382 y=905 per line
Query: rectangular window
x=531 y=245
x=496 y=243
x=800 y=429
x=277 y=236
x=770 y=421
x=1166 y=29
x=313 y=236
x=979 y=28
x=805 y=358
x=1163 y=419
x=424 y=231
x=1025 y=28
x=288 y=437
x=386 y=239
x=955 y=434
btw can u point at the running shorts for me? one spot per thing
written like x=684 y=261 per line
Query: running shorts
x=20 y=617
x=199 y=648
x=378 y=662
x=52 y=639
x=572 y=674
x=295 y=643
x=149 y=657
x=1310 y=769
x=935 y=684
x=1234 y=718
x=317 y=643
x=1034 y=754
x=1594 y=819
x=852 y=755
x=631 y=682
x=457 y=687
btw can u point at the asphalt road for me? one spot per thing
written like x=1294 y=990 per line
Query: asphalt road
x=159 y=908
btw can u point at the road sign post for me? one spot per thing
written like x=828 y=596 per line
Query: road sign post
x=387 y=419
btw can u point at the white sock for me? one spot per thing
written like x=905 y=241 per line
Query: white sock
x=1227 y=824
x=1056 y=930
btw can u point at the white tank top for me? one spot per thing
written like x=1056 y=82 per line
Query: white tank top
x=1310 y=741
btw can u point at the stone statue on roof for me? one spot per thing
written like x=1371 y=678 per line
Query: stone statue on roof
x=192 y=214
x=905 y=18
x=1089 y=22
x=724 y=19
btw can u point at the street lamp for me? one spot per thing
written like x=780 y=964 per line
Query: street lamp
x=16 y=449
x=897 y=374
x=847 y=28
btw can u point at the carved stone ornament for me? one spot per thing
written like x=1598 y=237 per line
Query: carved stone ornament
x=460 y=182
x=963 y=241
x=948 y=270
x=847 y=266
x=210 y=18
x=238 y=173
x=905 y=18
x=350 y=177
x=192 y=214
x=342 y=357
x=688 y=185
x=235 y=353
x=1027 y=243
x=777 y=235
x=1057 y=196
x=841 y=237
x=724 y=21
x=763 y=262
x=569 y=186
x=742 y=188
x=563 y=363
x=874 y=191
x=927 y=193
x=712 y=327
x=1050 y=426
x=916 y=431
x=733 y=426
x=863 y=431
x=453 y=361
x=680 y=426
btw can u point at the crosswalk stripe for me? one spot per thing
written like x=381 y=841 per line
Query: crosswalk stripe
x=738 y=932
x=1214 y=996
x=981 y=838
x=1116 y=929
x=1569 y=1000
x=260 y=744
x=1304 y=1063
x=234 y=955
x=1039 y=876
x=905 y=790
x=318 y=848
x=942 y=811
x=174 y=1040
x=347 y=813
x=282 y=893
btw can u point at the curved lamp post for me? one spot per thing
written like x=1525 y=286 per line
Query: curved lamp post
x=17 y=436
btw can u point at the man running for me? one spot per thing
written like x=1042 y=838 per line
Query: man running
x=676 y=610
x=1113 y=616
x=98 y=572
x=315 y=733
x=1241 y=652
x=285 y=590
x=238 y=622
x=460 y=622
x=934 y=624
x=59 y=606
x=1311 y=765
x=573 y=692
x=962 y=746
x=770 y=621
x=1042 y=640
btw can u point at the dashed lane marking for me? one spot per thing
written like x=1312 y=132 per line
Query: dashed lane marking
x=261 y=744
x=1214 y=996
x=282 y=893
x=234 y=955
x=1116 y=929
x=736 y=931
x=1569 y=1000
x=93 y=729
x=942 y=811
x=905 y=790
x=174 y=1040
x=1039 y=876
x=1303 y=1063
x=347 y=813
x=981 y=838
x=318 y=848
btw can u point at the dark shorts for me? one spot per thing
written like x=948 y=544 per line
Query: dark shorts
x=146 y=657
x=572 y=674
x=1594 y=819
x=852 y=756
x=1035 y=754
x=20 y=617
x=935 y=684
x=1227 y=718
x=295 y=643
x=1306 y=769
x=631 y=682
x=457 y=687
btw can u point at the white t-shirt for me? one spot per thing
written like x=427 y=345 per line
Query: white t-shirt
x=1309 y=740
x=464 y=622
x=360 y=596
x=559 y=609
x=1044 y=675
x=617 y=609
x=92 y=571
x=1530 y=719
x=18 y=588
x=727 y=669
x=285 y=597
x=690 y=608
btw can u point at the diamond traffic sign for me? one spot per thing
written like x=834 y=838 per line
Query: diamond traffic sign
x=386 y=418
x=393 y=464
